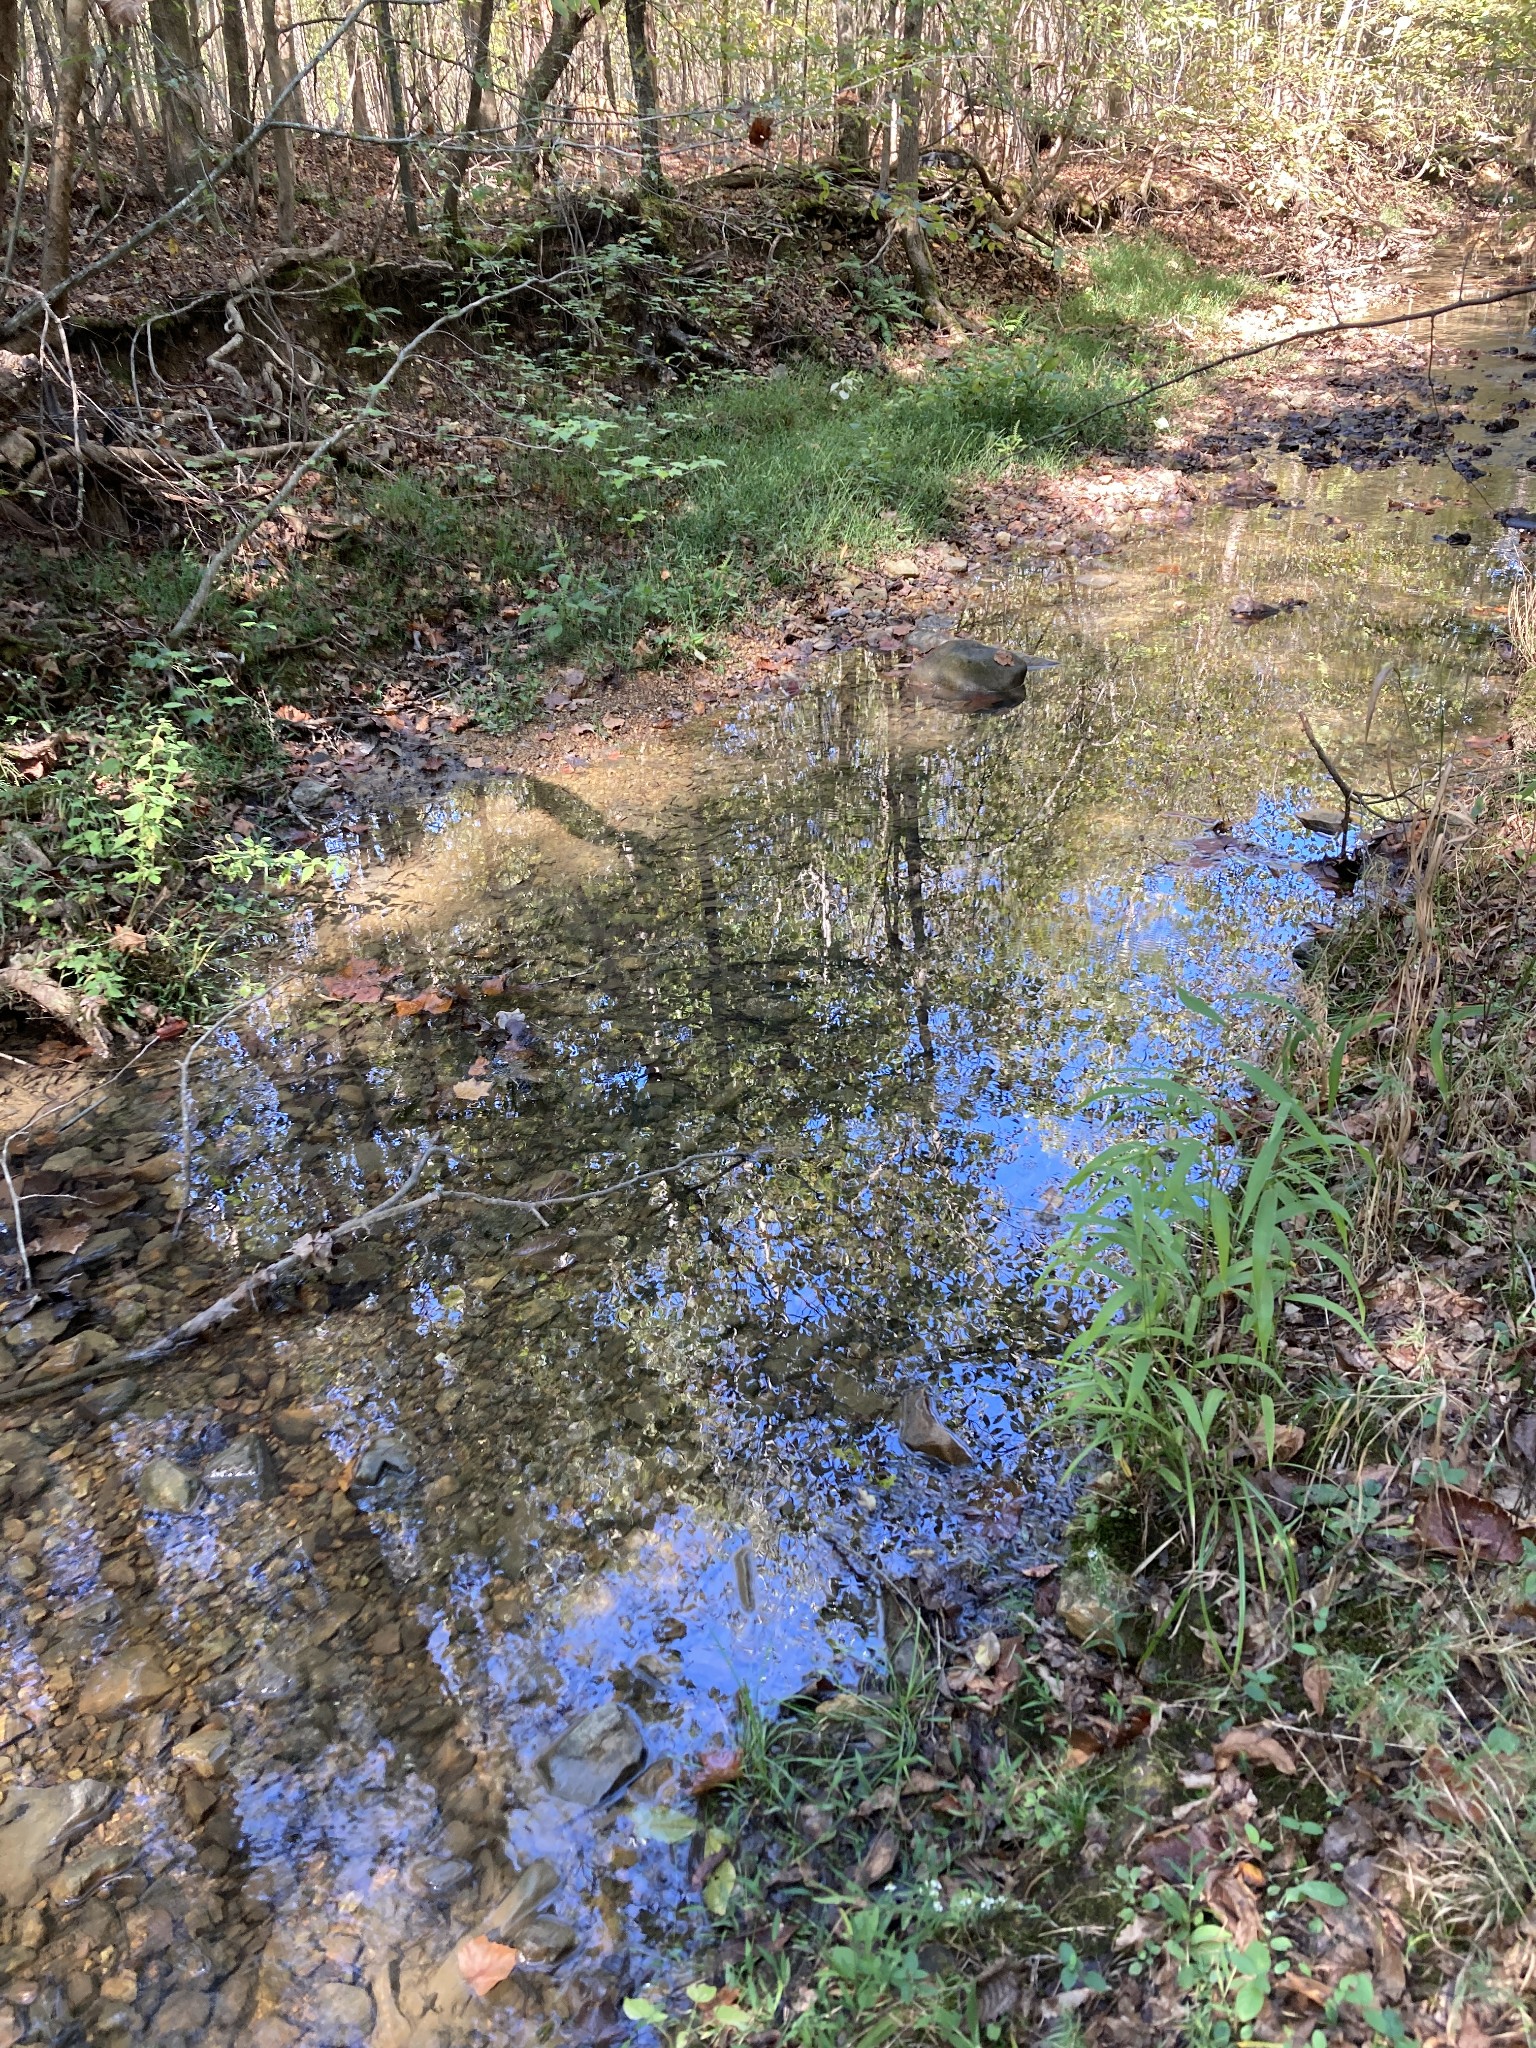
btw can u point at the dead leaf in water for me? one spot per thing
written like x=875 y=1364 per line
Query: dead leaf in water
x=471 y=1091
x=360 y=981
x=1458 y=1524
x=717 y=1767
x=484 y=1964
x=1256 y=1743
x=430 y=1003
x=63 y=1237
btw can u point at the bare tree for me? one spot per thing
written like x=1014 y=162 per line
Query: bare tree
x=282 y=142
x=73 y=77
x=179 y=81
x=642 y=71
x=852 y=116
x=909 y=152
x=565 y=32
x=479 y=61
x=402 y=142
x=10 y=60
x=237 y=69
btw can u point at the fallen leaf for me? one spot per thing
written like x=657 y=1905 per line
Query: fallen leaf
x=126 y=940
x=360 y=981
x=1256 y=1743
x=716 y=1767
x=494 y=985
x=1232 y=1903
x=1458 y=1524
x=1453 y=1798
x=718 y=1887
x=62 y=1237
x=479 y=1069
x=471 y=1091
x=879 y=1859
x=1289 y=1439
x=173 y=1027
x=1307 y=1988
x=1316 y=1681
x=1082 y=1747
x=430 y=1003
x=484 y=1964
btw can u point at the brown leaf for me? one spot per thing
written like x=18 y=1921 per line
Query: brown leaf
x=1082 y=1747
x=1316 y=1682
x=360 y=981
x=1458 y=1524
x=61 y=1237
x=1453 y=1797
x=716 y=1767
x=879 y=1859
x=1232 y=1903
x=126 y=940
x=479 y=1069
x=1257 y=1743
x=494 y=985
x=173 y=1027
x=484 y=1964
x=1290 y=1438
x=430 y=1003
x=472 y=1091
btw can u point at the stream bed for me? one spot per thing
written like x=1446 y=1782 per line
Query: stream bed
x=402 y=1612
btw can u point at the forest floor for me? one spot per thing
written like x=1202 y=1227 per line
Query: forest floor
x=1302 y=1818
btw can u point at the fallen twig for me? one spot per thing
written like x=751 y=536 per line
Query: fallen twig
x=314 y=1248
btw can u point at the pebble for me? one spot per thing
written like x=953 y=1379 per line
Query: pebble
x=205 y=1753
x=241 y=1471
x=124 y=1683
x=37 y=1823
x=166 y=1487
x=342 y=2015
x=101 y=1403
x=594 y=1755
x=268 y=1681
x=385 y=1458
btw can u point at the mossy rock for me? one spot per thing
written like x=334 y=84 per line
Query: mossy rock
x=1101 y=1605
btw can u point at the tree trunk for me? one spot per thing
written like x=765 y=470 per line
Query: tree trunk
x=10 y=57
x=909 y=150
x=391 y=50
x=237 y=69
x=642 y=72
x=179 y=79
x=362 y=119
x=282 y=140
x=565 y=32
x=852 y=118
x=73 y=77
x=479 y=58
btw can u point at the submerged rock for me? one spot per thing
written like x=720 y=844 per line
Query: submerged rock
x=37 y=1824
x=970 y=675
x=922 y=1431
x=385 y=1458
x=164 y=1486
x=205 y=1753
x=341 y=2016
x=123 y=1684
x=544 y=1939
x=241 y=1471
x=1099 y=1603
x=594 y=1755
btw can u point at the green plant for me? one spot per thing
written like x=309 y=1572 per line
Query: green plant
x=1184 y=1252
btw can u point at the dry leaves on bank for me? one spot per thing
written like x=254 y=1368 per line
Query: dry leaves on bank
x=1458 y=1524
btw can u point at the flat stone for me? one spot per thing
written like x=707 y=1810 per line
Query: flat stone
x=205 y=1753
x=83 y=1874
x=37 y=1824
x=166 y=1487
x=341 y=2015
x=185 y=2012
x=544 y=1939
x=269 y=1681
x=296 y=1425
x=531 y=1887
x=385 y=1458
x=447 y=1875
x=124 y=1683
x=241 y=1471
x=109 y=1399
x=594 y=1755
x=921 y=1431
x=32 y=1333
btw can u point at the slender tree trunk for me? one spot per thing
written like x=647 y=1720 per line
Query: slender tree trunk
x=391 y=50
x=357 y=88
x=237 y=69
x=909 y=150
x=10 y=62
x=178 y=76
x=282 y=139
x=852 y=120
x=565 y=32
x=642 y=71
x=44 y=60
x=73 y=77
x=479 y=58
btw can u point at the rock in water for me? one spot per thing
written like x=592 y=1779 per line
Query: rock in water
x=37 y=1824
x=922 y=1431
x=241 y=1471
x=1098 y=1603
x=594 y=1755
x=164 y=1486
x=968 y=675
x=123 y=1684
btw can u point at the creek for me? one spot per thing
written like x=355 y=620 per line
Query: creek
x=819 y=990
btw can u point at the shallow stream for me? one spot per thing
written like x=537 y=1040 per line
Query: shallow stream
x=818 y=990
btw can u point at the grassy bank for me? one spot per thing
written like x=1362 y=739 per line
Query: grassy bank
x=1260 y=1767
x=144 y=790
